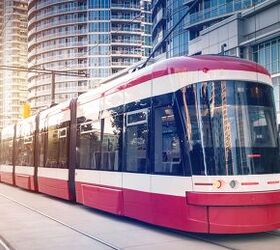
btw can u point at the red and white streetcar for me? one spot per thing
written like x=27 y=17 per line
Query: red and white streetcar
x=188 y=143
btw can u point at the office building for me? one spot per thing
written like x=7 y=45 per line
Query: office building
x=205 y=13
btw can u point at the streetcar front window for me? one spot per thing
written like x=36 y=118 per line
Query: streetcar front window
x=230 y=128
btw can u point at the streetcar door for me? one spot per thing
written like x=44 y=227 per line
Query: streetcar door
x=136 y=180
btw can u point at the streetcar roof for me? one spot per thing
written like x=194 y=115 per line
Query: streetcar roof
x=55 y=109
x=26 y=126
x=170 y=66
x=8 y=132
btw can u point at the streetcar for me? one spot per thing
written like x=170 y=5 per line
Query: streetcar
x=188 y=143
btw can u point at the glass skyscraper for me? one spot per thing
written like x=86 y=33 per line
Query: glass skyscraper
x=13 y=53
x=166 y=13
x=83 y=36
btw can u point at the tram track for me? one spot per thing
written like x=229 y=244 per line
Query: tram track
x=97 y=239
x=4 y=245
x=204 y=239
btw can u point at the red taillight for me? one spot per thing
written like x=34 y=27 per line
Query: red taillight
x=254 y=156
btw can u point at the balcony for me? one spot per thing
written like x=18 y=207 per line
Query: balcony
x=37 y=28
x=58 y=12
x=57 y=58
x=216 y=12
x=126 y=42
x=125 y=18
x=126 y=53
x=51 y=47
x=125 y=6
x=120 y=29
x=44 y=38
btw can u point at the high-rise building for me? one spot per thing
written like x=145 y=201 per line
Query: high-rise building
x=205 y=13
x=13 y=53
x=83 y=36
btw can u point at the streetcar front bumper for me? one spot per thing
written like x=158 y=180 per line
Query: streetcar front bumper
x=234 y=213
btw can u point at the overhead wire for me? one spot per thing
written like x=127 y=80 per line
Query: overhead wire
x=169 y=33
x=45 y=71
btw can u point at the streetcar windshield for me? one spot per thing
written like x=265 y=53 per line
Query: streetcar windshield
x=230 y=128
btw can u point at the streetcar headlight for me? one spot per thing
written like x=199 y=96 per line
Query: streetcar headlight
x=218 y=184
x=233 y=183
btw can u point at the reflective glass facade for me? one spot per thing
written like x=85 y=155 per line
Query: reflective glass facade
x=85 y=36
x=13 y=52
x=276 y=86
x=268 y=54
x=205 y=13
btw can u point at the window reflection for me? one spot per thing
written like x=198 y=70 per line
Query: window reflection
x=167 y=154
x=57 y=144
x=111 y=142
x=230 y=128
x=136 y=141
x=7 y=151
x=99 y=143
x=25 y=152
x=89 y=145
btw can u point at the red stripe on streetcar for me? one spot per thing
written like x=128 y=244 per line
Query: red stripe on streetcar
x=187 y=64
x=249 y=183
x=273 y=182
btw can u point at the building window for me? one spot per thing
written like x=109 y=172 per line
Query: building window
x=268 y=55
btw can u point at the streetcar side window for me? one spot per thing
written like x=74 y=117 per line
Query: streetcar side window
x=136 y=141
x=112 y=127
x=7 y=152
x=53 y=148
x=41 y=138
x=25 y=152
x=57 y=146
x=167 y=151
x=63 y=147
x=89 y=145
